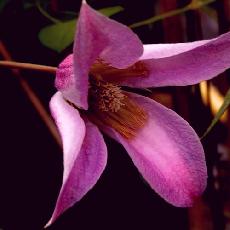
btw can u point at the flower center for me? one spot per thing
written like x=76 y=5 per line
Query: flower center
x=111 y=74
x=111 y=106
x=105 y=96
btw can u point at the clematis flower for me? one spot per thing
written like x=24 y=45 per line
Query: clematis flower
x=91 y=98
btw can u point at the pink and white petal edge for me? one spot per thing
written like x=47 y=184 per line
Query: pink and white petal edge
x=72 y=129
x=86 y=171
x=168 y=154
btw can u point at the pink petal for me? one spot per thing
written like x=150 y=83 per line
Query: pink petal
x=71 y=127
x=65 y=81
x=183 y=64
x=98 y=36
x=85 y=155
x=154 y=51
x=167 y=153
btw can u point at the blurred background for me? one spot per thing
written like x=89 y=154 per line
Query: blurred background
x=42 y=32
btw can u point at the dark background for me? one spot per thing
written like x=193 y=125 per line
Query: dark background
x=31 y=160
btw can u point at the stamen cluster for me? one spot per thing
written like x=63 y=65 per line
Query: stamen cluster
x=106 y=96
x=110 y=105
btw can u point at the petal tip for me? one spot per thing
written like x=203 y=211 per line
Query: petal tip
x=47 y=225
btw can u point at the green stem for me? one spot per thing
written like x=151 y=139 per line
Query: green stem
x=159 y=17
x=43 y=12
x=192 y=6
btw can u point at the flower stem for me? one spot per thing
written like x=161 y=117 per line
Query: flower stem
x=195 y=4
x=159 y=17
x=21 y=65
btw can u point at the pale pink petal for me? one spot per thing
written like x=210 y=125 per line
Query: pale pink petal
x=167 y=50
x=185 y=65
x=71 y=127
x=167 y=153
x=87 y=164
x=100 y=37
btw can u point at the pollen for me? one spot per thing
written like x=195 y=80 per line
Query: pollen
x=105 y=96
x=111 y=106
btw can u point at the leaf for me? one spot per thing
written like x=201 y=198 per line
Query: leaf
x=58 y=36
x=109 y=11
x=220 y=112
x=3 y=4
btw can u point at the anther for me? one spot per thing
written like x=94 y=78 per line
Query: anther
x=110 y=106
x=105 y=96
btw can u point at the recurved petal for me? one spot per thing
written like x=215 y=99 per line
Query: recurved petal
x=168 y=154
x=100 y=37
x=184 y=63
x=167 y=50
x=85 y=155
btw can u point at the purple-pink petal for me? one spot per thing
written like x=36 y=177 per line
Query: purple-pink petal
x=65 y=81
x=183 y=64
x=154 y=51
x=168 y=154
x=85 y=154
x=98 y=36
x=71 y=127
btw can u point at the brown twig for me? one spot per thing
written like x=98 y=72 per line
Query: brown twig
x=29 y=91
x=21 y=65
